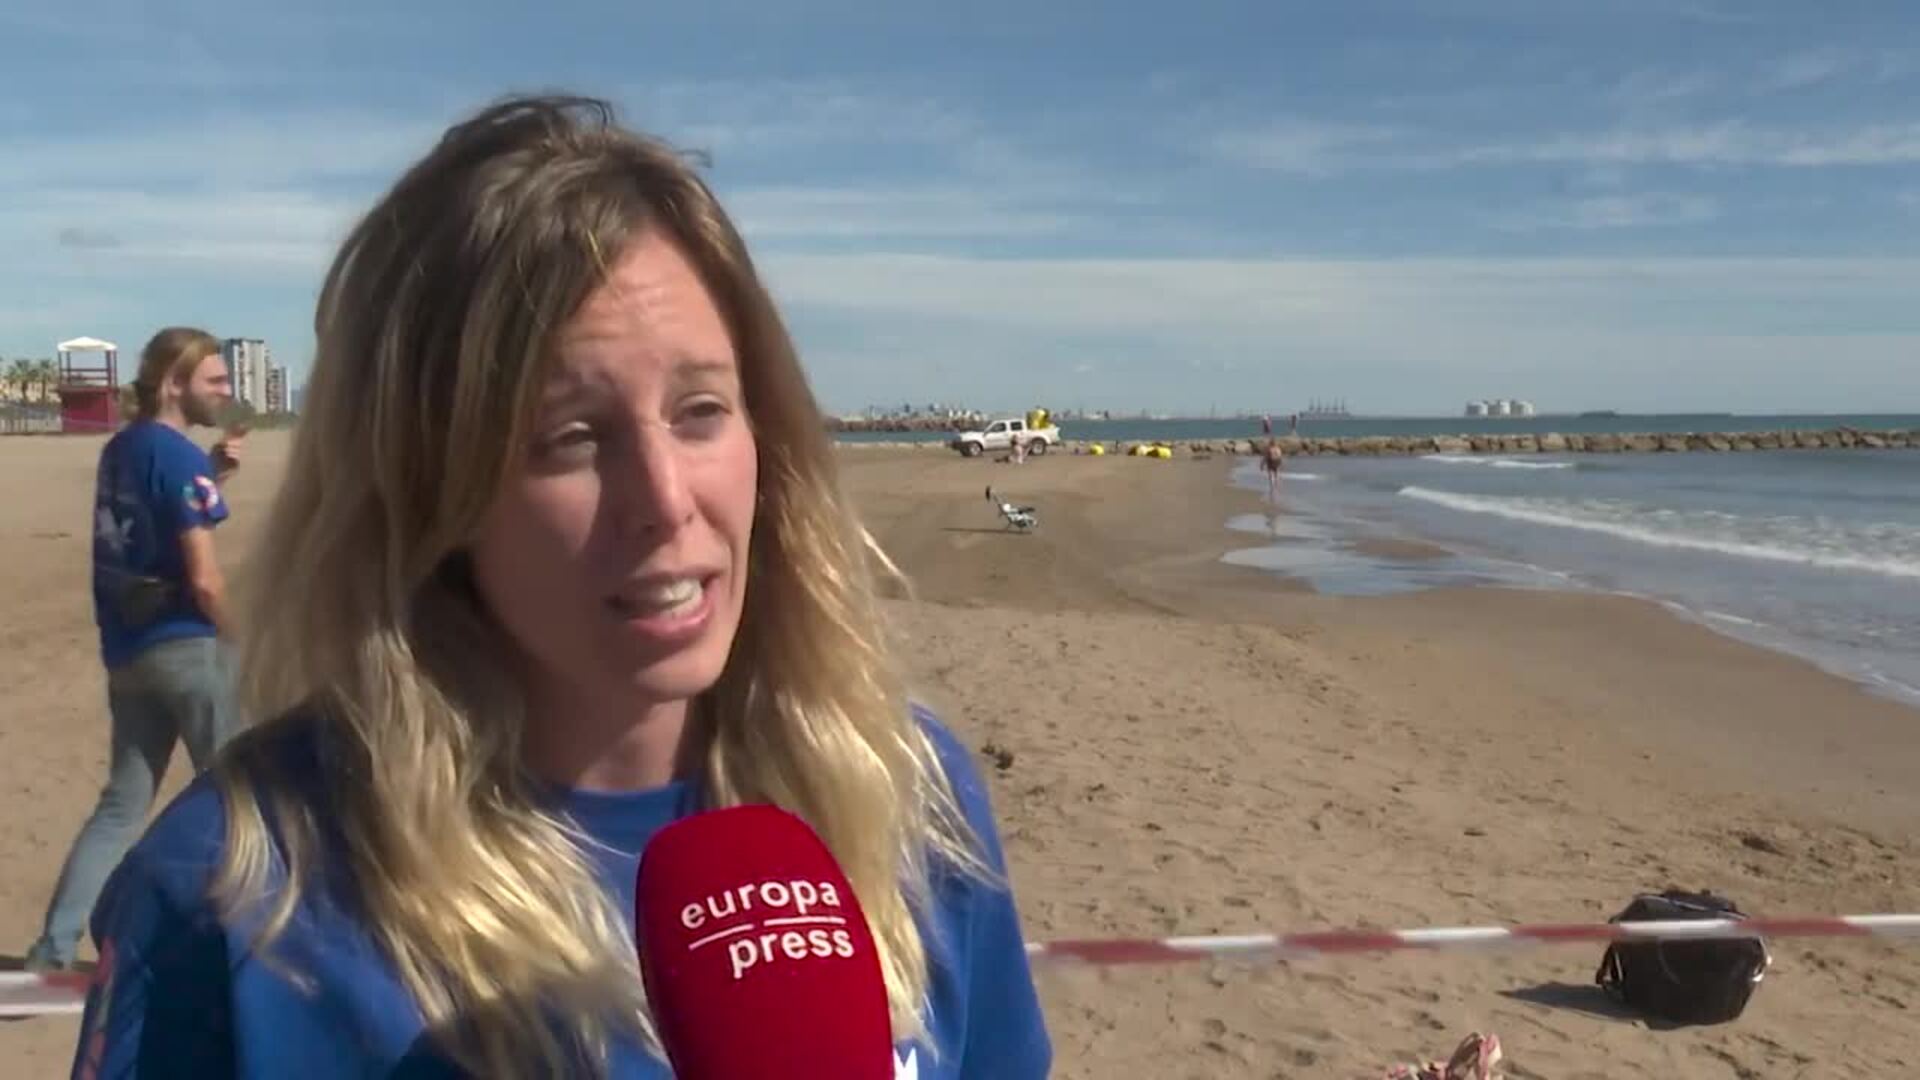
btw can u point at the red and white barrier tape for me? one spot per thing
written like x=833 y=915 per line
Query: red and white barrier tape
x=1340 y=942
x=27 y=994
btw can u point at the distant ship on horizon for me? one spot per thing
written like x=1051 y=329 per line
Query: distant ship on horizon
x=1326 y=410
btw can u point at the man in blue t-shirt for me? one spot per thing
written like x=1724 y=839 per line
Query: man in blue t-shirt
x=159 y=601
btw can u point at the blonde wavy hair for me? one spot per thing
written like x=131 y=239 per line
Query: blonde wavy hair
x=436 y=326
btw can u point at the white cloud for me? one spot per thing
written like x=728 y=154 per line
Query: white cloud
x=1405 y=334
x=1217 y=302
x=34 y=323
x=751 y=128
x=1809 y=68
x=1714 y=14
x=1653 y=88
x=1622 y=211
x=1302 y=147
x=247 y=199
x=1656 y=88
x=183 y=44
x=761 y=120
x=1731 y=143
x=234 y=232
x=1827 y=64
x=1093 y=296
x=245 y=192
x=222 y=151
x=882 y=214
x=774 y=115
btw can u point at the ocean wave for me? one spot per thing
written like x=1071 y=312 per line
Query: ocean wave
x=1868 y=549
x=1894 y=688
x=1706 y=615
x=1495 y=462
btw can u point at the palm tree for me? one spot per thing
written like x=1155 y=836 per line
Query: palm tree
x=19 y=372
x=46 y=372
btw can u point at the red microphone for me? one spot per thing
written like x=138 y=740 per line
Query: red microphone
x=757 y=959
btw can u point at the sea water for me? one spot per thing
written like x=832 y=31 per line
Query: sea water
x=1813 y=552
x=1192 y=429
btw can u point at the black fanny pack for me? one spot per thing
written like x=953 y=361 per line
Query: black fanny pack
x=139 y=600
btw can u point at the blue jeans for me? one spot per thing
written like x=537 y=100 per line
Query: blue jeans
x=176 y=691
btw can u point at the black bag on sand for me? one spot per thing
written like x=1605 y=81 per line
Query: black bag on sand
x=1686 y=982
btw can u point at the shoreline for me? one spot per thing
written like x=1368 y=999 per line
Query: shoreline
x=1404 y=552
x=1185 y=583
x=1172 y=569
x=1196 y=750
x=1415 y=550
x=1398 y=545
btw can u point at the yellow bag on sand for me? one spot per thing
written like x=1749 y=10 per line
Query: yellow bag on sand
x=1096 y=450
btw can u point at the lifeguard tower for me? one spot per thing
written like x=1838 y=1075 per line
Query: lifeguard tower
x=89 y=386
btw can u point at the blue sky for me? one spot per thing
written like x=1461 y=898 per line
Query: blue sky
x=1636 y=204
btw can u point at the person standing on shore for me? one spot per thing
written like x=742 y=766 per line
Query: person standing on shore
x=1273 y=460
x=160 y=605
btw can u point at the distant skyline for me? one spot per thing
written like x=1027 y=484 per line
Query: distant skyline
x=1642 y=205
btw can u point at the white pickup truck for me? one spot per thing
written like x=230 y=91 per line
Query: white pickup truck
x=1000 y=434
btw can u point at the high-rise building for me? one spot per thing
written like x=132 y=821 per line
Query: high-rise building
x=277 y=390
x=248 y=362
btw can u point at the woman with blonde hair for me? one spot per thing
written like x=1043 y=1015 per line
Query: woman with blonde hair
x=560 y=557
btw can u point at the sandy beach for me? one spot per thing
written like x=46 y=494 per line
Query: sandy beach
x=1188 y=747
